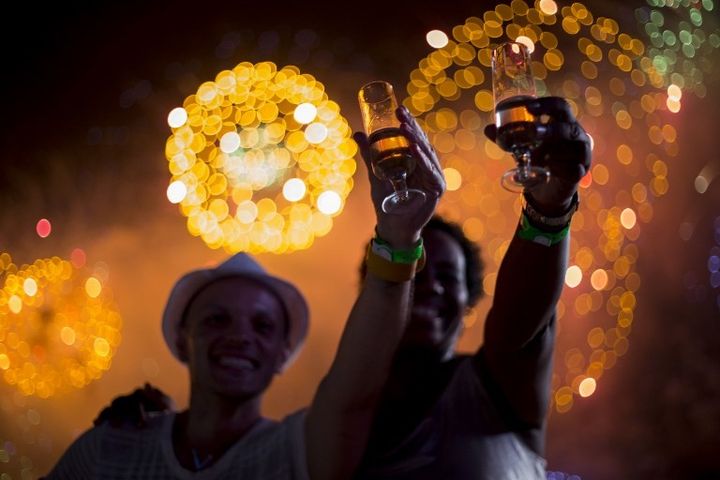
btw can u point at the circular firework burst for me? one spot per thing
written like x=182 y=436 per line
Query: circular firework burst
x=684 y=39
x=59 y=327
x=617 y=95
x=261 y=159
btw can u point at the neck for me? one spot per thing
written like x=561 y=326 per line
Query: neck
x=210 y=426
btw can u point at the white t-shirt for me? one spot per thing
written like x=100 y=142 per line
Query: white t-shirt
x=270 y=451
x=461 y=438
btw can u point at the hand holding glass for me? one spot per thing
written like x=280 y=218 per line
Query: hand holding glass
x=517 y=128
x=390 y=150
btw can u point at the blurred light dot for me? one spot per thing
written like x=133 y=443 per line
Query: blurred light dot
x=294 y=190
x=43 y=227
x=436 y=38
x=599 y=279
x=177 y=117
x=316 y=133
x=4 y=361
x=715 y=279
x=176 y=191
x=230 y=142
x=305 y=113
x=527 y=41
x=674 y=92
x=673 y=105
x=573 y=276
x=548 y=7
x=78 y=257
x=247 y=211
x=714 y=263
x=15 y=304
x=453 y=179
x=33 y=417
x=686 y=230
x=67 y=335
x=30 y=287
x=628 y=218
x=329 y=202
x=587 y=387
x=586 y=181
x=701 y=184
x=93 y=287
x=101 y=346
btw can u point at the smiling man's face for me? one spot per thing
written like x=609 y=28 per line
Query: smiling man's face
x=234 y=338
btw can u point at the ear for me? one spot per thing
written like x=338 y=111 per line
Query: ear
x=282 y=359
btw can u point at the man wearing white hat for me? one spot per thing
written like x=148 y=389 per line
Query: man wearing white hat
x=235 y=327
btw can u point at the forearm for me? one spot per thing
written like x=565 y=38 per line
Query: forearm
x=529 y=284
x=341 y=415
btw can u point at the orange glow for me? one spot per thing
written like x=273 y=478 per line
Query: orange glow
x=599 y=279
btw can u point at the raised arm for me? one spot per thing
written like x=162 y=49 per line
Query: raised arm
x=520 y=327
x=341 y=415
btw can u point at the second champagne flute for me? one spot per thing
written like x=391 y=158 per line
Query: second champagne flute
x=390 y=150
x=517 y=128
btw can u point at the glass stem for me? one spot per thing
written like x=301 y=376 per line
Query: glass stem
x=399 y=183
x=523 y=160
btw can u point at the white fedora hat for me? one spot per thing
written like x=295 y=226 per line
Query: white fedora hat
x=239 y=265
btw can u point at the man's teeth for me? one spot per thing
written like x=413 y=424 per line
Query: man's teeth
x=235 y=362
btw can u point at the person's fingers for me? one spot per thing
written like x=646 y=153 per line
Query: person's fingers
x=562 y=131
x=413 y=131
x=427 y=172
x=556 y=108
x=490 y=131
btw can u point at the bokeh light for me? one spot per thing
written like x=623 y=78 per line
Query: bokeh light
x=177 y=117
x=616 y=93
x=248 y=132
x=294 y=190
x=436 y=38
x=713 y=263
x=43 y=228
x=684 y=38
x=59 y=327
x=176 y=191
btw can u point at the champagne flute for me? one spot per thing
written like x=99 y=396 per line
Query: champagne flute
x=390 y=150
x=517 y=128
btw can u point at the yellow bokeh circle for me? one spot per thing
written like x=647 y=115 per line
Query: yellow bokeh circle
x=59 y=326
x=260 y=153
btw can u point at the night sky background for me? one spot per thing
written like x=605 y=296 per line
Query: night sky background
x=86 y=89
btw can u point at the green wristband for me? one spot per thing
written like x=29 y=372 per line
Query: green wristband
x=529 y=232
x=384 y=250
